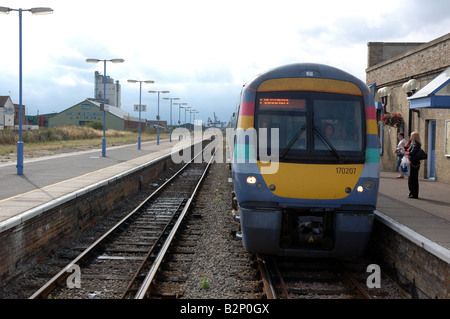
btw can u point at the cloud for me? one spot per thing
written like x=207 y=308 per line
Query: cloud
x=202 y=51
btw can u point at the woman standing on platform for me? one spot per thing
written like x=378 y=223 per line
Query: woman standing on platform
x=400 y=152
x=413 y=179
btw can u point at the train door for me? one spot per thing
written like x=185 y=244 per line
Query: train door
x=431 y=149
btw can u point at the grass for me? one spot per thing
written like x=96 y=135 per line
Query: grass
x=69 y=137
x=205 y=283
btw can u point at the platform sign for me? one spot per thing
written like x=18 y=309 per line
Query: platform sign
x=143 y=108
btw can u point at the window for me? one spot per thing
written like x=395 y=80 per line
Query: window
x=339 y=121
x=312 y=126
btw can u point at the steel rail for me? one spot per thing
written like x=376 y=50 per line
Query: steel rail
x=147 y=257
x=360 y=291
x=269 y=289
x=141 y=293
x=64 y=273
x=283 y=286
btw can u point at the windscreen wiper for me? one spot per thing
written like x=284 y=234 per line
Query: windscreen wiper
x=292 y=141
x=326 y=141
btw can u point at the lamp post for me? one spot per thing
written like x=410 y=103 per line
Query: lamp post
x=185 y=124
x=170 y=98
x=104 y=96
x=383 y=93
x=194 y=112
x=140 y=106
x=410 y=88
x=157 y=138
x=186 y=109
x=179 y=118
x=190 y=117
x=7 y=10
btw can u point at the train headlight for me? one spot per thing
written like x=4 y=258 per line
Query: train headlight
x=251 y=180
x=360 y=189
x=368 y=184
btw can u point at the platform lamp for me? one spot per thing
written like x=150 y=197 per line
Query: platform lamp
x=410 y=88
x=186 y=109
x=190 y=119
x=140 y=106
x=179 y=115
x=104 y=96
x=171 y=99
x=384 y=93
x=157 y=117
x=7 y=10
x=194 y=112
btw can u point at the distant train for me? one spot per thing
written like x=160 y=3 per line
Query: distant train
x=305 y=162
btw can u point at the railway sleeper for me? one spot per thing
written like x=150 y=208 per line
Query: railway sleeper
x=319 y=292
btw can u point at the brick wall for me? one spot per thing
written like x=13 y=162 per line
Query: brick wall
x=382 y=51
x=431 y=57
x=423 y=274
x=130 y=125
x=422 y=63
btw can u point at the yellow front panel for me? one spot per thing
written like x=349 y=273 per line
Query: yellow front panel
x=313 y=181
x=309 y=84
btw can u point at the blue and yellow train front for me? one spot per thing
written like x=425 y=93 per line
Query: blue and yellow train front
x=309 y=203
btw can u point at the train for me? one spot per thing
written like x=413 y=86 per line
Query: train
x=305 y=162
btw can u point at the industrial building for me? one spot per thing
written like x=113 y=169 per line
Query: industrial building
x=113 y=90
x=92 y=111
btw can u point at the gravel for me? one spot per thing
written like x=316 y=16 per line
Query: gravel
x=221 y=262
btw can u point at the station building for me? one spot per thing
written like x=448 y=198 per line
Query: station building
x=92 y=111
x=6 y=112
x=413 y=80
x=10 y=114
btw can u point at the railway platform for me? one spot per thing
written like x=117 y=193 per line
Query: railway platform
x=425 y=221
x=47 y=180
x=428 y=216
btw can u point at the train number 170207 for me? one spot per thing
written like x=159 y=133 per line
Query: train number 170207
x=346 y=170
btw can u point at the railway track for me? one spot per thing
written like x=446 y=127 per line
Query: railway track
x=293 y=278
x=123 y=262
x=174 y=269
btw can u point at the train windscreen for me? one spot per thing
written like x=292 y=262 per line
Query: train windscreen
x=312 y=125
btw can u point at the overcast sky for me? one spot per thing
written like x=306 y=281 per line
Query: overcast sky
x=202 y=51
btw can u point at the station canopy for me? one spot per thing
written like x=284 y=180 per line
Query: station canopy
x=435 y=94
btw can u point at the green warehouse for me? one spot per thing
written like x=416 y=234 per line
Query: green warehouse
x=90 y=111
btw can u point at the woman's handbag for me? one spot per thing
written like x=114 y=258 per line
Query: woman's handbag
x=420 y=155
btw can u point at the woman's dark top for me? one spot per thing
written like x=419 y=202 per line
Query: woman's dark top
x=413 y=149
